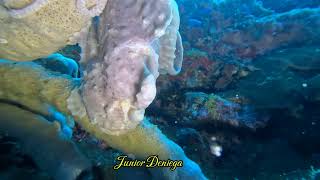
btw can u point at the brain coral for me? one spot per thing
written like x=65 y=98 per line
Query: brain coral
x=32 y=29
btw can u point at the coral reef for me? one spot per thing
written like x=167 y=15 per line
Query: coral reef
x=293 y=71
x=119 y=83
x=251 y=39
x=201 y=72
x=54 y=90
x=247 y=93
x=197 y=109
x=290 y=5
x=203 y=108
x=238 y=31
x=244 y=39
x=131 y=63
x=258 y=62
x=119 y=79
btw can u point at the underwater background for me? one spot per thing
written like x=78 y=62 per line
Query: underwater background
x=246 y=104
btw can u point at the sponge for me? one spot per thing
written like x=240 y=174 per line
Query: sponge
x=37 y=28
x=171 y=50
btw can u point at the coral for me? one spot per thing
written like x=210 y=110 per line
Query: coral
x=128 y=87
x=60 y=92
x=210 y=108
x=273 y=32
x=201 y=72
x=203 y=110
x=314 y=173
x=211 y=105
x=228 y=72
x=235 y=33
x=37 y=28
x=121 y=50
x=36 y=86
x=196 y=53
x=277 y=53
x=196 y=72
x=26 y=125
x=293 y=71
x=147 y=140
x=290 y=5
x=241 y=30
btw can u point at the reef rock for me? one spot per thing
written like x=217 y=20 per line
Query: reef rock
x=205 y=110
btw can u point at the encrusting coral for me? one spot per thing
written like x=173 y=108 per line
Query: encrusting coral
x=121 y=64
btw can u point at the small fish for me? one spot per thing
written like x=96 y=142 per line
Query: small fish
x=194 y=23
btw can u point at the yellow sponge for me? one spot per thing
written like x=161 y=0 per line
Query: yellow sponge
x=34 y=29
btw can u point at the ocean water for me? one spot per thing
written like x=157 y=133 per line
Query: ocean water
x=245 y=106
